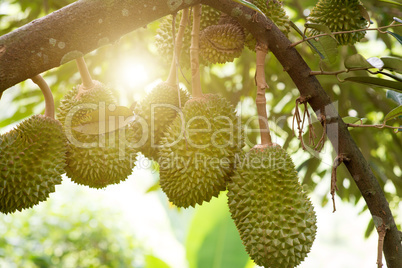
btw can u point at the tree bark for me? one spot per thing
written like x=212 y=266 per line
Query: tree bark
x=86 y=25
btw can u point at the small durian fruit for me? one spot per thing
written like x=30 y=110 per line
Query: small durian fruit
x=339 y=15
x=32 y=160
x=274 y=10
x=154 y=114
x=221 y=43
x=95 y=160
x=164 y=37
x=198 y=152
x=274 y=216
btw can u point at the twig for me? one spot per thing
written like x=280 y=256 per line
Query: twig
x=300 y=122
x=320 y=144
x=382 y=230
x=343 y=32
x=177 y=44
x=337 y=72
x=194 y=52
x=260 y=99
x=47 y=93
x=374 y=126
x=338 y=160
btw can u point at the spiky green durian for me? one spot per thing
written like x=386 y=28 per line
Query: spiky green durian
x=154 y=114
x=32 y=160
x=164 y=39
x=95 y=160
x=199 y=150
x=274 y=10
x=221 y=43
x=272 y=213
x=339 y=15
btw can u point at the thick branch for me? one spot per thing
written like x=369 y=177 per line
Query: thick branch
x=86 y=25
x=263 y=30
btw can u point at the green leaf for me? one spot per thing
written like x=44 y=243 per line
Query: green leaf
x=315 y=50
x=397 y=36
x=376 y=62
x=391 y=2
x=364 y=13
x=154 y=262
x=213 y=240
x=250 y=5
x=319 y=27
x=396 y=96
x=353 y=120
x=356 y=61
x=327 y=47
x=154 y=187
x=393 y=114
x=369 y=229
x=374 y=81
x=392 y=63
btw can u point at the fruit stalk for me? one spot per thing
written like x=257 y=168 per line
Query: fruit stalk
x=260 y=99
x=178 y=43
x=47 y=93
x=86 y=78
x=194 y=52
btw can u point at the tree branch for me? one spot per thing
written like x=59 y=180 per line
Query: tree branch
x=86 y=25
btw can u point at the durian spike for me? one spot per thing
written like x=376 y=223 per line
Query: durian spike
x=260 y=99
x=47 y=93
x=178 y=43
x=194 y=52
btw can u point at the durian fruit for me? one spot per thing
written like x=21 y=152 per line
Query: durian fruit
x=95 y=160
x=32 y=160
x=273 y=215
x=274 y=10
x=339 y=15
x=164 y=38
x=154 y=114
x=199 y=150
x=221 y=43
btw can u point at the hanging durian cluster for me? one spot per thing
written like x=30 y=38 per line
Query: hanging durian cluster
x=32 y=158
x=154 y=114
x=273 y=214
x=194 y=145
x=274 y=10
x=95 y=160
x=339 y=15
x=164 y=37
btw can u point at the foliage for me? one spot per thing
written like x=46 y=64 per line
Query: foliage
x=54 y=235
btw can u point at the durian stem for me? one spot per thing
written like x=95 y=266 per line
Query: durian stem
x=194 y=52
x=85 y=75
x=172 y=78
x=47 y=93
x=260 y=99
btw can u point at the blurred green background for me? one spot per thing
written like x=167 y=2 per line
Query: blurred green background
x=133 y=225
